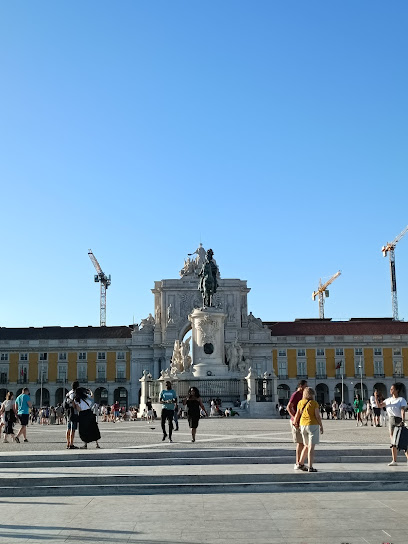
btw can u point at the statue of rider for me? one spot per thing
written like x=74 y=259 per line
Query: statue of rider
x=208 y=279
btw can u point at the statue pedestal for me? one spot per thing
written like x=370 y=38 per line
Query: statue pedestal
x=208 y=343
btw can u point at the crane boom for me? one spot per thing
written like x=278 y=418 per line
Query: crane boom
x=389 y=248
x=322 y=293
x=105 y=281
x=95 y=261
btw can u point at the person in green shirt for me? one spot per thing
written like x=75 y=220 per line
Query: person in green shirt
x=358 y=409
x=168 y=398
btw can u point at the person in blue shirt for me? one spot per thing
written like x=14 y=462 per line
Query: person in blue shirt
x=23 y=405
x=168 y=398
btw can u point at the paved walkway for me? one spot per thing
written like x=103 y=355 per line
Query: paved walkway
x=175 y=502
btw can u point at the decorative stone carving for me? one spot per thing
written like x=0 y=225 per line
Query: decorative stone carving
x=148 y=323
x=254 y=322
x=234 y=354
x=158 y=314
x=170 y=314
x=185 y=352
x=208 y=328
x=165 y=374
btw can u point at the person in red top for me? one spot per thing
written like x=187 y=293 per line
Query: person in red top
x=116 y=410
x=296 y=434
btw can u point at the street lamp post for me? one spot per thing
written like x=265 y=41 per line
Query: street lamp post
x=342 y=382
x=361 y=379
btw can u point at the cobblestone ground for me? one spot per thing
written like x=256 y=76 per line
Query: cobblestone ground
x=329 y=516
x=212 y=433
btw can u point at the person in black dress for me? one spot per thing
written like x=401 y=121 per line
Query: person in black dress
x=194 y=405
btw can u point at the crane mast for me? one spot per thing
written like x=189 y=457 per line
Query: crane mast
x=390 y=249
x=322 y=293
x=105 y=281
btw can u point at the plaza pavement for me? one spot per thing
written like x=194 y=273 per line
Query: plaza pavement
x=236 y=484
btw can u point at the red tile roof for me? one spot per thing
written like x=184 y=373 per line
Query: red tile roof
x=326 y=327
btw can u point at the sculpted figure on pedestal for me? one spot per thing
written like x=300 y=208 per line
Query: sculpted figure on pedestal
x=254 y=322
x=234 y=354
x=170 y=318
x=147 y=323
x=208 y=279
x=199 y=260
x=185 y=352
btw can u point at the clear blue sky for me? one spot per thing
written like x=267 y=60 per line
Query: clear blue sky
x=275 y=131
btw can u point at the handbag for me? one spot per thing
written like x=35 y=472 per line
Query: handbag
x=296 y=421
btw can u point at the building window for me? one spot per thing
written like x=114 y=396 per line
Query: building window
x=62 y=373
x=101 y=356
x=43 y=356
x=320 y=352
x=358 y=351
x=339 y=352
x=82 y=372
x=4 y=374
x=397 y=351
x=301 y=352
x=82 y=356
x=22 y=373
x=359 y=368
x=282 y=353
x=378 y=367
x=121 y=372
x=23 y=356
x=4 y=357
x=101 y=372
x=282 y=369
x=43 y=373
x=120 y=355
x=377 y=351
x=62 y=356
x=321 y=368
x=397 y=364
x=301 y=368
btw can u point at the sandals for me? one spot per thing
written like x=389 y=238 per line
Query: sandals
x=302 y=467
x=311 y=469
x=17 y=439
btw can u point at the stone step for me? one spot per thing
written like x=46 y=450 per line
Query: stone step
x=74 y=458
x=109 y=458
x=231 y=483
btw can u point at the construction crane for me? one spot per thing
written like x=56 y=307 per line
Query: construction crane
x=105 y=281
x=389 y=248
x=323 y=293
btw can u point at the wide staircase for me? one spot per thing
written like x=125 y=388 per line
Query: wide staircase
x=168 y=470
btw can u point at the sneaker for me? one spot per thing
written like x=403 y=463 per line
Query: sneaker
x=296 y=467
x=393 y=464
x=164 y=437
x=170 y=440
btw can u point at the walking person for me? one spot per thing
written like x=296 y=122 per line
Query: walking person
x=168 y=398
x=176 y=416
x=311 y=426
x=149 y=411
x=72 y=418
x=358 y=409
x=9 y=416
x=292 y=409
x=369 y=413
x=374 y=400
x=194 y=407
x=88 y=428
x=23 y=404
x=395 y=406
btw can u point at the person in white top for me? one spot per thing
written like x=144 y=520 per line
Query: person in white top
x=375 y=397
x=395 y=406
